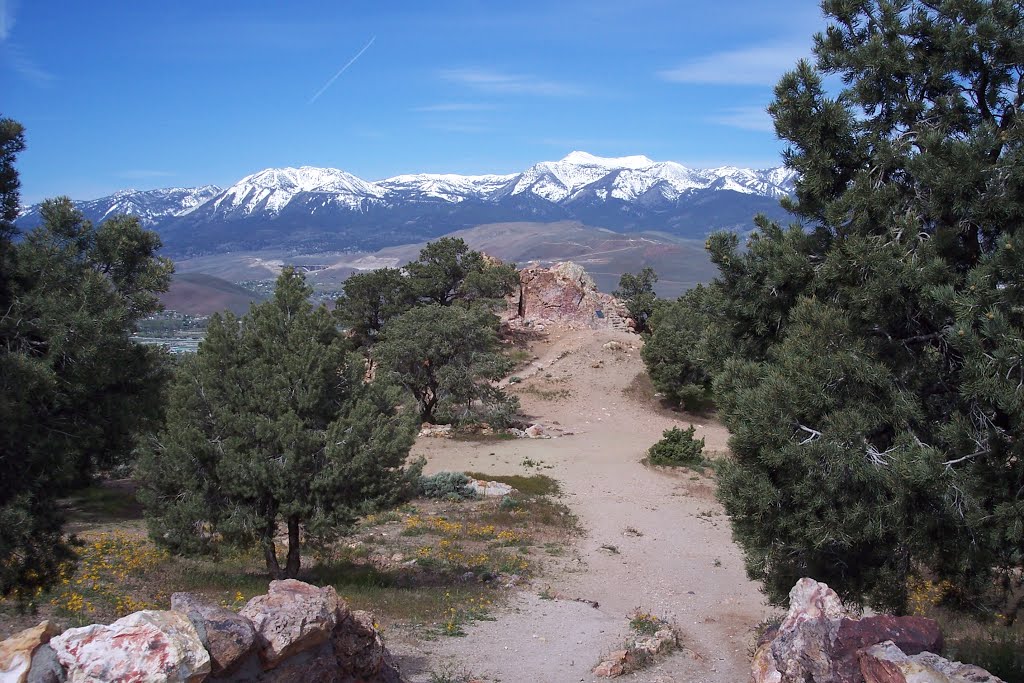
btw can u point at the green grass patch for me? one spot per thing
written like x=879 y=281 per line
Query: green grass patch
x=104 y=502
x=532 y=485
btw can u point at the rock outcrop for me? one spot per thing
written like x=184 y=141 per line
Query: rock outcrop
x=563 y=294
x=820 y=642
x=297 y=632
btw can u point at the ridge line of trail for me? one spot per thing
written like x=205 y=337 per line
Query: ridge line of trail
x=655 y=540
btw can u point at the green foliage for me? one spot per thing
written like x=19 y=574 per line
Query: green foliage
x=868 y=360
x=447 y=357
x=12 y=143
x=371 y=300
x=678 y=448
x=445 y=485
x=447 y=271
x=74 y=389
x=676 y=351
x=637 y=292
x=272 y=422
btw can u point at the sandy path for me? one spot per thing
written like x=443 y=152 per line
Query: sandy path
x=682 y=564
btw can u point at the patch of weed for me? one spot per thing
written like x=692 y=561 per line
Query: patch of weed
x=532 y=485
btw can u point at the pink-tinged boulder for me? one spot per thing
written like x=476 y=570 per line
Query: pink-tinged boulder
x=153 y=646
x=912 y=635
x=311 y=666
x=16 y=652
x=228 y=636
x=292 y=617
x=801 y=650
x=887 y=663
x=819 y=642
x=563 y=293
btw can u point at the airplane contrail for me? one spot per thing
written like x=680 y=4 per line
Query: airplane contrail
x=342 y=70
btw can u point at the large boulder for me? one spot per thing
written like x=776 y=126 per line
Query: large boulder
x=887 y=663
x=16 y=652
x=563 y=293
x=292 y=617
x=151 y=645
x=228 y=636
x=360 y=650
x=819 y=641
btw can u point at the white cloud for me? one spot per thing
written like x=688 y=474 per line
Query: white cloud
x=747 y=118
x=748 y=66
x=488 y=80
x=7 y=8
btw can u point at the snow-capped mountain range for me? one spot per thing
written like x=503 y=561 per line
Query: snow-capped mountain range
x=329 y=209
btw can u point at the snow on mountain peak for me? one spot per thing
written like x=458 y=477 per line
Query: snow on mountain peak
x=273 y=188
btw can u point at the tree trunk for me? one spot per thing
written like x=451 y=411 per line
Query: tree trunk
x=273 y=567
x=294 y=561
x=270 y=551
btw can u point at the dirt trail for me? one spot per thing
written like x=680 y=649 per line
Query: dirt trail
x=655 y=540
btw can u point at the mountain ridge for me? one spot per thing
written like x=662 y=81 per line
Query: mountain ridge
x=314 y=208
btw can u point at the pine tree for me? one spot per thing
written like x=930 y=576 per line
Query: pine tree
x=868 y=358
x=675 y=351
x=273 y=424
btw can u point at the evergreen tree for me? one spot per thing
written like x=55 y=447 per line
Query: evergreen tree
x=371 y=300
x=447 y=357
x=869 y=357
x=637 y=292
x=75 y=390
x=675 y=352
x=447 y=271
x=272 y=423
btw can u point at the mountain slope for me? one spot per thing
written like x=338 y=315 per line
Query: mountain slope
x=319 y=209
x=153 y=207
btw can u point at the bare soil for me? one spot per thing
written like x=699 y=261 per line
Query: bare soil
x=653 y=538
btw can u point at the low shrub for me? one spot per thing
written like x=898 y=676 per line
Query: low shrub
x=678 y=448
x=446 y=485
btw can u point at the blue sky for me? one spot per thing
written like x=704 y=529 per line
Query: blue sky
x=145 y=94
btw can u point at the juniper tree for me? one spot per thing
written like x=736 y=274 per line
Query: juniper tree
x=869 y=357
x=272 y=423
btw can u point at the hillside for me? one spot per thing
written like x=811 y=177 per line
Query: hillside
x=202 y=294
x=606 y=254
